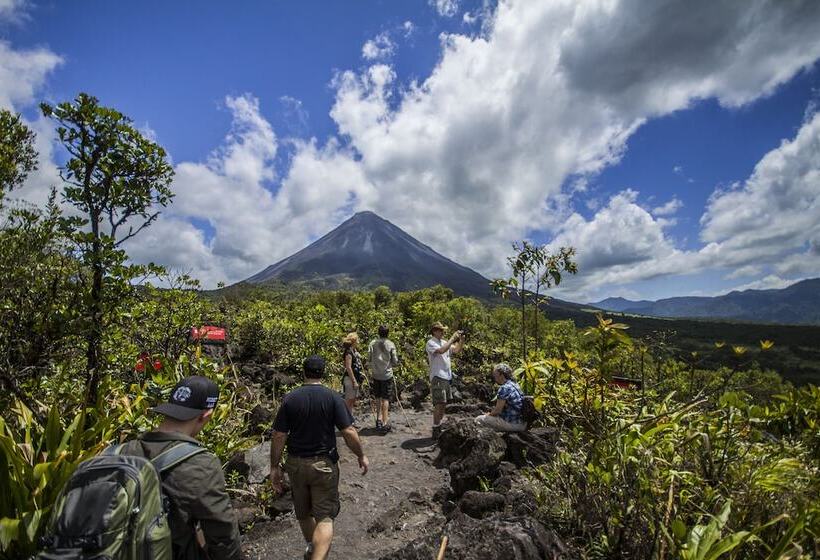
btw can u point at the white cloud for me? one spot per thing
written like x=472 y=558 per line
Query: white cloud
x=669 y=208
x=12 y=11
x=776 y=211
x=378 y=48
x=407 y=28
x=22 y=72
x=445 y=8
x=744 y=272
x=771 y=282
x=480 y=152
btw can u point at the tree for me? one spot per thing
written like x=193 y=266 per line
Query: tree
x=533 y=267
x=116 y=179
x=18 y=157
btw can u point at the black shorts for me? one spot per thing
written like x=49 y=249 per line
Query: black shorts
x=383 y=389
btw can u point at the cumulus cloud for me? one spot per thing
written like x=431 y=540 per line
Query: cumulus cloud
x=776 y=211
x=12 y=10
x=771 y=282
x=669 y=208
x=379 y=47
x=22 y=72
x=407 y=28
x=445 y=8
x=484 y=150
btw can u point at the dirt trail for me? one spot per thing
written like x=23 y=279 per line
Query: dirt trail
x=397 y=490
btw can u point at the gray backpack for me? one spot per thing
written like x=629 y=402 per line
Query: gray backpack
x=113 y=508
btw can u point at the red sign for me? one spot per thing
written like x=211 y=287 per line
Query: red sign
x=209 y=334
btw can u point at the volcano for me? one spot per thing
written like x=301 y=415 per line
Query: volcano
x=367 y=251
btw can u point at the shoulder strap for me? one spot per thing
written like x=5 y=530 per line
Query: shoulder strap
x=113 y=449
x=180 y=452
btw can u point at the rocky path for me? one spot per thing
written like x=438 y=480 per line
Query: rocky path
x=382 y=511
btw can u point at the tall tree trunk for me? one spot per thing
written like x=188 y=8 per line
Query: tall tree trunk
x=93 y=335
x=537 y=306
x=524 y=315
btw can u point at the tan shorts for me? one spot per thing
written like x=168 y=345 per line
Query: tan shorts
x=350 y=391
x=440 y=390
x=314 y=483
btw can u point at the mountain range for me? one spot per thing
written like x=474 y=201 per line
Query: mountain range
x=796 y=304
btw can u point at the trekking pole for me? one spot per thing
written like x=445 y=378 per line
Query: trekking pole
x=398 y=400
x=442 y=548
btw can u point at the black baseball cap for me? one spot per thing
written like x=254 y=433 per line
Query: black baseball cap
x=314 y=365
x=190 y=398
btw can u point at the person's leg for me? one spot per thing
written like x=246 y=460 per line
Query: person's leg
x=438 y=413
x=307 y=525
x=325 y=502
x=322 y=538
x=385 y=410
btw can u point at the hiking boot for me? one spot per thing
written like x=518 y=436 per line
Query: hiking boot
x=386 y=428
x=436 y=431
x=379 y=424
x=308 y=552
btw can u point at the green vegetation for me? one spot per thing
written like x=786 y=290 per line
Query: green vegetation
x=716 y=456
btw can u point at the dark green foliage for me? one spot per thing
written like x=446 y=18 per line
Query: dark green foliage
x=18 y=157
x=116 y=179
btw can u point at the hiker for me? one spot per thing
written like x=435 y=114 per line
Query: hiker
x=506 y=416
x=441 y=376
x=306 y=421
x=201 y=511
x=353 y=372
x=382 y=359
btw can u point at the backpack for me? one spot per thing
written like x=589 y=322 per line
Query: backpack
x=113 y=508
x=528 y=411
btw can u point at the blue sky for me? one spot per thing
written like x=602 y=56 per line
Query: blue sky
x=676 y=146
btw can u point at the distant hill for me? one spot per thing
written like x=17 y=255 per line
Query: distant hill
x=619 y=304
x=798 y=304
x=368 y=251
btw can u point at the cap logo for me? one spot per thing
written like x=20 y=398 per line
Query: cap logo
x=182 y=394
x=210 y=402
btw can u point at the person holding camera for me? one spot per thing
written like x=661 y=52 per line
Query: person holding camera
x=441 y=374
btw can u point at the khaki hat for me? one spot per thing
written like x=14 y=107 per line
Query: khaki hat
x=437 y=325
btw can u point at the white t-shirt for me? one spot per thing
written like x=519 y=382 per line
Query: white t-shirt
x=439 y=363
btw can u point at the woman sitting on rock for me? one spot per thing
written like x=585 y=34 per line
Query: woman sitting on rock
x=506 y=416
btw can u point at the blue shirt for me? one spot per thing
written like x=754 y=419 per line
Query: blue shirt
x=511 y=393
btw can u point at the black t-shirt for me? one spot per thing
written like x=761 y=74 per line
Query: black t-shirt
x=355 y=364
x=310 y=416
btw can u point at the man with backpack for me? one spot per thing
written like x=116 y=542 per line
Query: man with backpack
x=507 y=415
x=196 y=486
x=307 y=421
x=161 y=496
x=382 y=360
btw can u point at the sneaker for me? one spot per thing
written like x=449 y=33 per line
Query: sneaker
x=308 y=552
x=386 y=428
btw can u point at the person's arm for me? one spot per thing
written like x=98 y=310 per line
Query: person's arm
x=349 y=369
x=447 y=345
x=458 y=344
x=211 y=507
x=394 y=357
x=499 y=407
x=277 y=446
x=351 y=437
